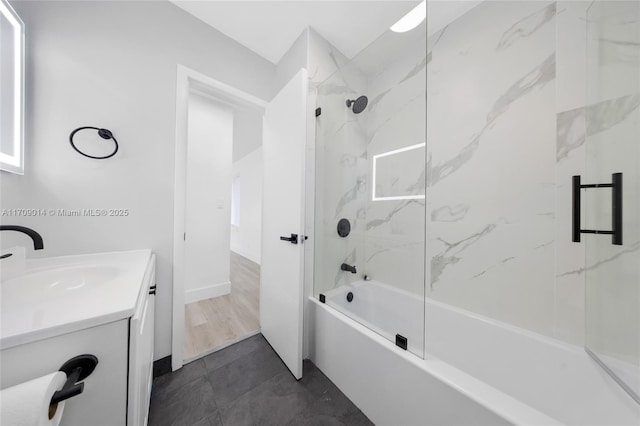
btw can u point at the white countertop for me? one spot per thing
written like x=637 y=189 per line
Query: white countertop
x=59 y=295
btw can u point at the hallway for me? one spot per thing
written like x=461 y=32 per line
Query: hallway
x=214 y=323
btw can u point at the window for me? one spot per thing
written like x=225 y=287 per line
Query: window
x=235 y=201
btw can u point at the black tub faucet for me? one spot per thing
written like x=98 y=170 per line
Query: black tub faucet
x=37 y=238
x=345 y=267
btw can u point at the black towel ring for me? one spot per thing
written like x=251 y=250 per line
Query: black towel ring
x=103 y=133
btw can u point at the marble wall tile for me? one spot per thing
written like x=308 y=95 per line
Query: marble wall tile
x=575 y=127
x=571 y=29
x=509 y=121
x=387 y=237
x=569 y=256
x=341 y=179
x=324 y=59
x=395 y=229
x=491 y=153
x=611 y=273
x=613 y=50
x=593 y=141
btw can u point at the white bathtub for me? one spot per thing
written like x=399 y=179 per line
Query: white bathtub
x=496 y=374
x=375 y=305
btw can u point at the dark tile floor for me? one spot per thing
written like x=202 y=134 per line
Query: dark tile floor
x=247 y=384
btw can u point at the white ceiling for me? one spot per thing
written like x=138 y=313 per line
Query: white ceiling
x=269 y=28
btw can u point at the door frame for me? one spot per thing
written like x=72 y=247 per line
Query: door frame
x=191 y=80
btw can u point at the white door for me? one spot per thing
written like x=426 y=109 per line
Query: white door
x=281 y=271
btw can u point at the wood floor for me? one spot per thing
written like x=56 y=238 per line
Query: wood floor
x=215 y=323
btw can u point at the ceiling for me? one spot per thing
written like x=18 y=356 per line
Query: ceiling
x=269 y=28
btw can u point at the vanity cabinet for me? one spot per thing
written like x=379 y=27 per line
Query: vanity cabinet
x=118 y=390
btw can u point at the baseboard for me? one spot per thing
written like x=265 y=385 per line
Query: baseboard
x=162 y=366
x=252 y=257
x=207 y=292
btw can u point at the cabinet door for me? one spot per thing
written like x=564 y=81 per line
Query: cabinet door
x=146 y=361
x=141 y=354
x=104 y=399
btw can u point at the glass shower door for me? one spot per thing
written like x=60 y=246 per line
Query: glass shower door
x=612 y=267
x=369 y=254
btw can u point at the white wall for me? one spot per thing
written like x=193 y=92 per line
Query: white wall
x=247 y=131
x=291 y=62
x=246 y=239
x=208 y=198
x=113 y=64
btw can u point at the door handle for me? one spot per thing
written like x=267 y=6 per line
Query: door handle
x=293 y=239
x=616 y=208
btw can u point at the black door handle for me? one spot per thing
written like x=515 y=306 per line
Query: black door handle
x=293 y=239
x=616 y=209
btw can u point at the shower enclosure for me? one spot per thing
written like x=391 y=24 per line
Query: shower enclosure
x=612 y=275
x=370 y=188
x=485 y=199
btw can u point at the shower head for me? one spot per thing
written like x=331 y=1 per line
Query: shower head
x=358 y=104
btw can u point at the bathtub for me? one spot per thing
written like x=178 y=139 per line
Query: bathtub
x=383 y=318
x=498 y=374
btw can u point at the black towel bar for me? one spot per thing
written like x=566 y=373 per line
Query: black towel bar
x=103 y=133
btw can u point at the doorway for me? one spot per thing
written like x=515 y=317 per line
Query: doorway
x=217 y=230
x=281 y=292
x=222 y=223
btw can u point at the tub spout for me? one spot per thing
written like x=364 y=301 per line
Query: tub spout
x=345 y=267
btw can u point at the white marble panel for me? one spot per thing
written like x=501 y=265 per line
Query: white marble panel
x=324 y=59
x=571 y=25
x=341 y=180
x=604 y=121
x=396 y=119
x=491 y=163
x=569 y=256
x=612 y=272
x=387 y=237
x=613 y=49
x=507 y=125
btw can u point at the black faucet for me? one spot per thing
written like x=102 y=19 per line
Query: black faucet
x=345 y=267
x=37 y=239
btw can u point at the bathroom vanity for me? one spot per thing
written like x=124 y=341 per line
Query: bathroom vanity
x=100 y=304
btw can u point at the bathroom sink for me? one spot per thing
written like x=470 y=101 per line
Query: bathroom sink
x=62 y=294
x=57 y=282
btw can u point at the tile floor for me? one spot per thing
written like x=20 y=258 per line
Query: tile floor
x=247 y=384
